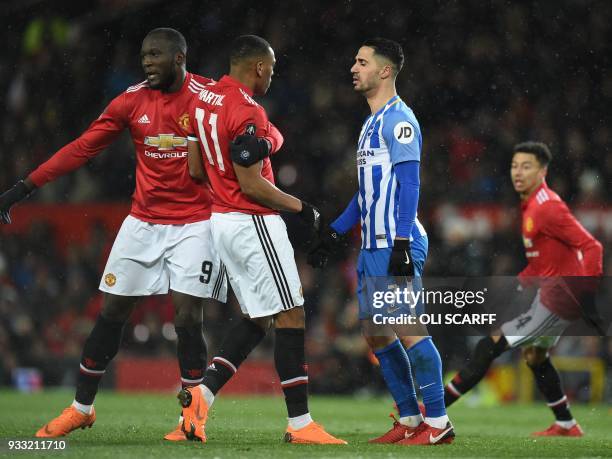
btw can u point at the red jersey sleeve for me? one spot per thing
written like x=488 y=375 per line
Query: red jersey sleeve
x=559 y=223
x=99 y=135
x=246 y=114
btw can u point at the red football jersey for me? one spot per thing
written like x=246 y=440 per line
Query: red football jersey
x=159 y=124
x=220 y=113
x=556 y=245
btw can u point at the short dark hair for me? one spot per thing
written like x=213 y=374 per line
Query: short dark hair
x=390 y=49
x=173 y=36
x=539 y=149
x=248 y=46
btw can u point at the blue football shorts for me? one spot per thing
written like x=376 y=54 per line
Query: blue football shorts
x=373 y=278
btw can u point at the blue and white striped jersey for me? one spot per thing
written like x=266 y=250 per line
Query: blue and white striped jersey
x=388 y=137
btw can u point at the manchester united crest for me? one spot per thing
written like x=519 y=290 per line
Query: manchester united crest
x=529 y=225
x=110 y=279
x=183 y=121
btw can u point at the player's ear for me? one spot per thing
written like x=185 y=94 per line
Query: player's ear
x=179 y=58
x=386 y=72
x=259 y=68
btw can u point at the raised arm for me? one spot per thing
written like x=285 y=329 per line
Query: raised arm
x=99 y=135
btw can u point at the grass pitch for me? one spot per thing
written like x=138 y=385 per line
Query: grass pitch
x=133 y=426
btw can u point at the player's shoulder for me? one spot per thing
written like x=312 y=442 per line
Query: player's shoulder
x=143 y=86
x=201 y=80
x=399 y=112
x=548 y=203
x=198 y=83
x=400 y=123
x=242 y=97
x=545 y=198
x=242 y=103
x=231 y=92
x=135 y=95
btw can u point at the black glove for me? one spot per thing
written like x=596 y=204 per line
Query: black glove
x=18 y=192
x=322 y=247
x=247 y=150
x=400 y=263
x=311 y=216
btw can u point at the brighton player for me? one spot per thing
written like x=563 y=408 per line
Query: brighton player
x=165 y=243
x=394 y=243
x=233 y=138
x=556 y=246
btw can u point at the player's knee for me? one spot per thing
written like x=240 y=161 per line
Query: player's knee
x=187 y=309
x=293 y=318
x=117 y=308
x=534 y=356
x=183 y=317
x=187 y=314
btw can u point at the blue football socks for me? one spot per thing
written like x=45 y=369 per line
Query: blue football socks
x=427 y=366
x=395 y=367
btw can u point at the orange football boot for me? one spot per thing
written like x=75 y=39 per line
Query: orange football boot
x=195 y=413
x=312 y=434
x=69 y=420
x=177 y=434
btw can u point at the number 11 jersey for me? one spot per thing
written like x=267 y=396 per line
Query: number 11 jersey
x=221 y=112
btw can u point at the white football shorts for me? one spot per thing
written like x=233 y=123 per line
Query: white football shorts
x=260 y=263
x=537 y=327
x=151 y=259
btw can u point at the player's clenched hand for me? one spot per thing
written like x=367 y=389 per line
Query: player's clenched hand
x=400 y=263
x=322 y=246
x=18 y=192
x=247 y=150
x=311 y=216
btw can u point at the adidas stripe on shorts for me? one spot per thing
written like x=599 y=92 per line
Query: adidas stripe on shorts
x=151 y=259
x=260 y=262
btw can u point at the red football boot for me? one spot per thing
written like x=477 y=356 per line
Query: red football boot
x=397 y=433
x=428 y=435
x=557 y=431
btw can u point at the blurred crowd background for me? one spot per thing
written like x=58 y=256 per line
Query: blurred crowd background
x=480 y=76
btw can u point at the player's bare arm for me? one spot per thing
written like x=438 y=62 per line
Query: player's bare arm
x=262 y=191
x=194 y=161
